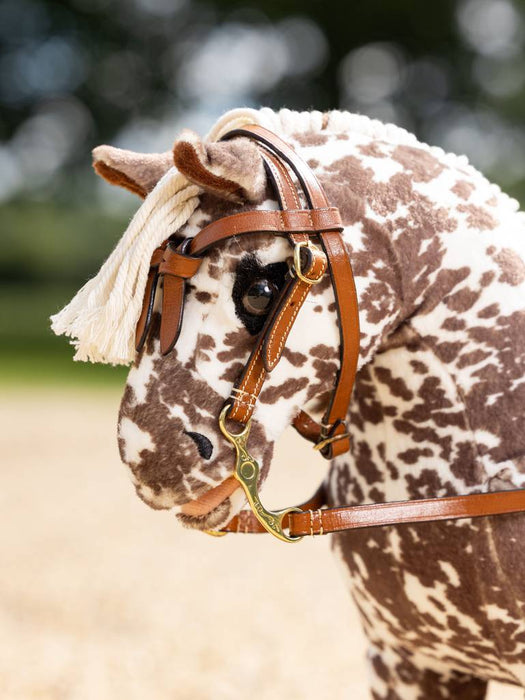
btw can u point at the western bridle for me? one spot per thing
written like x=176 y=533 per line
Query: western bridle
x=314 y=231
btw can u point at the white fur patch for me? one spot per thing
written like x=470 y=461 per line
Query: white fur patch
x=139 y=377
x=135 y=440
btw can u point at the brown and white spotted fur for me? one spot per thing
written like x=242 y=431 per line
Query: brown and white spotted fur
x=438 y=255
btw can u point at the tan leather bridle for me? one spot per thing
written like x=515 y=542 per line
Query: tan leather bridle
x=314 y=231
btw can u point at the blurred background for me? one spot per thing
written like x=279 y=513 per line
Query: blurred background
x=77 y=73
x=90 y=572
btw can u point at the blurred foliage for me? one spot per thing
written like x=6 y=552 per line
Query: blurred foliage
x=76 y=73
x=45 y=243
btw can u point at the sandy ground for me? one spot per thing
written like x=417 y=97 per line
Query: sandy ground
x=103 y=599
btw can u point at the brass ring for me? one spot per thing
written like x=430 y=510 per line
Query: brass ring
x=224 y=429
x=297 y=261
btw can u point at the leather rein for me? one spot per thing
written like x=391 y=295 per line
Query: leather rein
x=314 y=231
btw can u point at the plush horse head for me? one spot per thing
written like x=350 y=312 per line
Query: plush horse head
x=394 y=229
x=169 y=432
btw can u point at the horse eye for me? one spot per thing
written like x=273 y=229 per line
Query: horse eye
x=259 y=296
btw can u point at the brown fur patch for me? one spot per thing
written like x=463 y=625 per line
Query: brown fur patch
x=136 y=172
x=232 y=169
x=478 y=217
x=114 y=177
x=285 y=390
x=512 y=267
x=189 y=163
x=463 y=189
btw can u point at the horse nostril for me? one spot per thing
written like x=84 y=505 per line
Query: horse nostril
x=204 y=446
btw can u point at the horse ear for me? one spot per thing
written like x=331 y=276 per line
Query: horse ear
x=232 y=170
x=136 y=172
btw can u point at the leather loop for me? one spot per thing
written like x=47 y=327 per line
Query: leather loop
x=334 y=441
x=307 y=427
x=178 y=264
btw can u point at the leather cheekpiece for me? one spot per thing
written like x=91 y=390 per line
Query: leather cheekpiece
x=176 y=267
x=150 y=292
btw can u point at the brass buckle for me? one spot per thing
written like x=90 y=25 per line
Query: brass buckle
x=327 y=439
x=247 y=474
x=297 y=261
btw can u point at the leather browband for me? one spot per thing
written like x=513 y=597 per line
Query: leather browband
x=318 y=223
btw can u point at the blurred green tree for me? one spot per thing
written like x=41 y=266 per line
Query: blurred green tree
x=75 y=73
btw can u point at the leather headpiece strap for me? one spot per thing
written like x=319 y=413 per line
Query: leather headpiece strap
x=314 y=231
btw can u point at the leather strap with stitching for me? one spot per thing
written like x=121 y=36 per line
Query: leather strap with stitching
x=179 y=264
x=316 y=520
x=277 y=326
x=146 y=313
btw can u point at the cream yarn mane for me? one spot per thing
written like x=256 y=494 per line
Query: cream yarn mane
x=102 y=316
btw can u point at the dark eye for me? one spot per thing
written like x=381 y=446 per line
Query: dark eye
x=255 y=290
x=259 y=296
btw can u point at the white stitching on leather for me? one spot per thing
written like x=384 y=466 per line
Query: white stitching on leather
x=277 y=179
x=291 y=321
x=288 y=179
x=247 y=377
